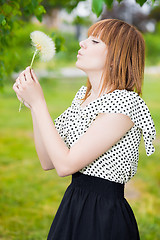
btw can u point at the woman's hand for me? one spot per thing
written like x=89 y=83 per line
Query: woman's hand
x=28 y=88
x=22 y=101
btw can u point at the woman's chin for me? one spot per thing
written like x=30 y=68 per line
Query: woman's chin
x=78 y=65
x=81 y=67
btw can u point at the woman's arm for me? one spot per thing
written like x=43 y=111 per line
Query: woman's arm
x=103 y=133
x=43 y=156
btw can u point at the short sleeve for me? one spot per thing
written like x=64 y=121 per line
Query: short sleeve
x=143 y=120
x=132 y=105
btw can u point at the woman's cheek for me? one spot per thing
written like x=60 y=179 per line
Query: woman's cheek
x=97 y=62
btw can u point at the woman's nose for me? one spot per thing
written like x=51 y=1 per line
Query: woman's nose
x=82 y=44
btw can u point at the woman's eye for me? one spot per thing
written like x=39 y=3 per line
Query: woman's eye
x=94 y=41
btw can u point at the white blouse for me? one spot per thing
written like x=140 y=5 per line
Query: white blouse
x=119 y=163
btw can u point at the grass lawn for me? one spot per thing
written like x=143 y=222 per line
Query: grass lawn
x=29 y=196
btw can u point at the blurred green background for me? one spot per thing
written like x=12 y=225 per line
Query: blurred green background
x=29 y=196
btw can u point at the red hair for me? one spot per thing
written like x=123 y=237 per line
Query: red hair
x=124 y=67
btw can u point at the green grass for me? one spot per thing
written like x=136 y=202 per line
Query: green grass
x=29 y=196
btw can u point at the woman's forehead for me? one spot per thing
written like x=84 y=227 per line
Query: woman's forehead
x=98 y=33
x=94 y=36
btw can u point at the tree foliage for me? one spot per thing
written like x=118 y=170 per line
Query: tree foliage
x=12 y=15
x=69 y=5
x=97 y=5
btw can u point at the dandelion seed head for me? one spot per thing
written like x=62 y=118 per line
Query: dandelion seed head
x=44 y=44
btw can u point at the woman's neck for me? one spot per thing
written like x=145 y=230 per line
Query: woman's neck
x=95 y=81
x=96 y=84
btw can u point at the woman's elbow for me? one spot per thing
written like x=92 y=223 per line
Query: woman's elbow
x=63 y=172
x=47 y=168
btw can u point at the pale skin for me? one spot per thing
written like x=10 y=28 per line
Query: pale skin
x=107 y=128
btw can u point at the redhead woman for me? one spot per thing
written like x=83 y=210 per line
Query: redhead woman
x=96 y=139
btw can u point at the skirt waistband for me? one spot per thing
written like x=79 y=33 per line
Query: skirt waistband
x=104 y=187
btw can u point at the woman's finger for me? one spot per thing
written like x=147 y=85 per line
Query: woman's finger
x=15 y=87
x=19 y=98
x=16 y=84
x=22 y=78
x=18 y=81
x=34 y=76
x=28 y=74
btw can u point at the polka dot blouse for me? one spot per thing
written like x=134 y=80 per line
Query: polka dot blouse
x=119 y=163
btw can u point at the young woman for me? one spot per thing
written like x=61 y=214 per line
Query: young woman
x=96 y=139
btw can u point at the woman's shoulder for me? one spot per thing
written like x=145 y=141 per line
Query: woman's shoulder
x=122 y=96
x=129 y=102
x=126 y=96
x=135 y=99
x=124 y=93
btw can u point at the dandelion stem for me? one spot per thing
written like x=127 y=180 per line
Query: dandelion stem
x=20 y=106
x=36 y=51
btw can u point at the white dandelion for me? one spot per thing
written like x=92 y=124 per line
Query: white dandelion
x=44 y=46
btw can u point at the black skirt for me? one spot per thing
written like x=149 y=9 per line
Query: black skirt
x=93 y=208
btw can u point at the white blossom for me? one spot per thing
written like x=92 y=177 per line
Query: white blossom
x=44 y=45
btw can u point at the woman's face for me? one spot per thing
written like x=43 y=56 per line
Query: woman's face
x=92 y=55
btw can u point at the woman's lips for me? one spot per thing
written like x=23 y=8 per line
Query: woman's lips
x=79 y=54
